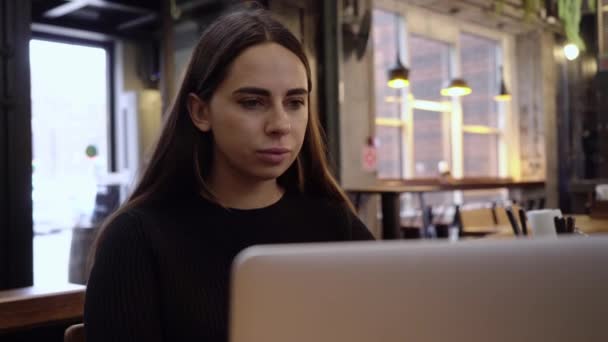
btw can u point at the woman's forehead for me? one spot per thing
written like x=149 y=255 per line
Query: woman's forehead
x=268 y=66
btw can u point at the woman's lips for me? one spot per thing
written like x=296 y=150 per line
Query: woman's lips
x=274 y=155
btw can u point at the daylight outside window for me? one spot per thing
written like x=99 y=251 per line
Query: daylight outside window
x=70 y=111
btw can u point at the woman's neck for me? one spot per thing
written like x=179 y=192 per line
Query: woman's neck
x=239 y=193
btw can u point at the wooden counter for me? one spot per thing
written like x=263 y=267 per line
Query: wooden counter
x=435 y=185
x=35 y=306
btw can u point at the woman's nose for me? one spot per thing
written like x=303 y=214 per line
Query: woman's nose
x=278 y=122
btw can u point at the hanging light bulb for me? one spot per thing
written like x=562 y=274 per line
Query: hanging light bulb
x=504 y=94
x=399 y=75
x=571 y=51
x=457 y=87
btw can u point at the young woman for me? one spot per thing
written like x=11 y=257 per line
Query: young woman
x=240 y=161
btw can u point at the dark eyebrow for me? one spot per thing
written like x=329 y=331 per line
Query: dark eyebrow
x=252 y=90
x=264 y=92
x=297 y=91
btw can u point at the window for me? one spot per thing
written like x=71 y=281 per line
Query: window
x=70 y=110
x=417 y=128
x=480 y=62
x=389 y=111
x=430 y=70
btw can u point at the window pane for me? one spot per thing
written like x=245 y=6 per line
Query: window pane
x=69 y=113
x=384 y=37
x=480 y=67
x=480 y=155
x=428 y=143
x=430 y=65
x=389 y=151
x=387 y=103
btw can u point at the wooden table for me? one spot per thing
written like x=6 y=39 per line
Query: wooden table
x=591 y=225
x=390 y=191
x=584 y=223
x=34 y=306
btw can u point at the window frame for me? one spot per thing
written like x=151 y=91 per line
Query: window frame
x=15 y=149
x=427 y=24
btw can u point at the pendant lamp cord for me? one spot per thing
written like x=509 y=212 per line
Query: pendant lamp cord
x=396 y=21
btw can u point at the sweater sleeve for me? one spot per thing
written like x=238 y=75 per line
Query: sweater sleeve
x=122 y=300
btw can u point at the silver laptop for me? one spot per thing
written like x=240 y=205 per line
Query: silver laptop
x=479 y=291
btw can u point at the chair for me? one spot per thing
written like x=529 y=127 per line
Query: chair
x=501 y=215
x=417 y=226
x=503 y=219
x=478 y=220
x=74 y=333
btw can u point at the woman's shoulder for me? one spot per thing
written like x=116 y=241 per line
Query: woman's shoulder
x=130 y=218
x=137 y=223
x=149 y=220
x=123 y=227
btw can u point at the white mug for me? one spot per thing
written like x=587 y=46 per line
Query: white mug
x=541 y=223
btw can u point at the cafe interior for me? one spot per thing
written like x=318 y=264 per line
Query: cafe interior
x=447 y=123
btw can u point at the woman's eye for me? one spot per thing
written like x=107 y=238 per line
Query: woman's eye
x=295 y=104
x=251 y=103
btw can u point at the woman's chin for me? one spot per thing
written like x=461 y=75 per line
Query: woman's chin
x=270 y=173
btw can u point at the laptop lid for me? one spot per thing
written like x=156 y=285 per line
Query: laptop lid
x=479 y=291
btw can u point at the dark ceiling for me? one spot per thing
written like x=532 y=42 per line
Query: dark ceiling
x=122 y=18
x=125 y=18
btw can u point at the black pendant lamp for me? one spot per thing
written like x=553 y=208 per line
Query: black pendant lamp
x=504 y=94
x=457 y=87
x=398 y=75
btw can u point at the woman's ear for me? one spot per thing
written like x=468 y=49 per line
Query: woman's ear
x=199 y=112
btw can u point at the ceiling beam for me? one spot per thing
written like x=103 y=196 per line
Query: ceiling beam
x=138 y=21
x=94 y=28
x=118 y=6
x=65 y=9
x=511 y=18
x=186 y=6
x=75 y=5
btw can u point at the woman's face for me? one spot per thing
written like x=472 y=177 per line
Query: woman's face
x=258 y=114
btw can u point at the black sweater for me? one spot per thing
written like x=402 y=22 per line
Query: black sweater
x=162 y=272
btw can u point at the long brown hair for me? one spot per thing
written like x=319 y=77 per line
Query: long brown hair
x=181 y=159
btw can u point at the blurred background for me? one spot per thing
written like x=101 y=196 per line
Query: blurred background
x=430 y=106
